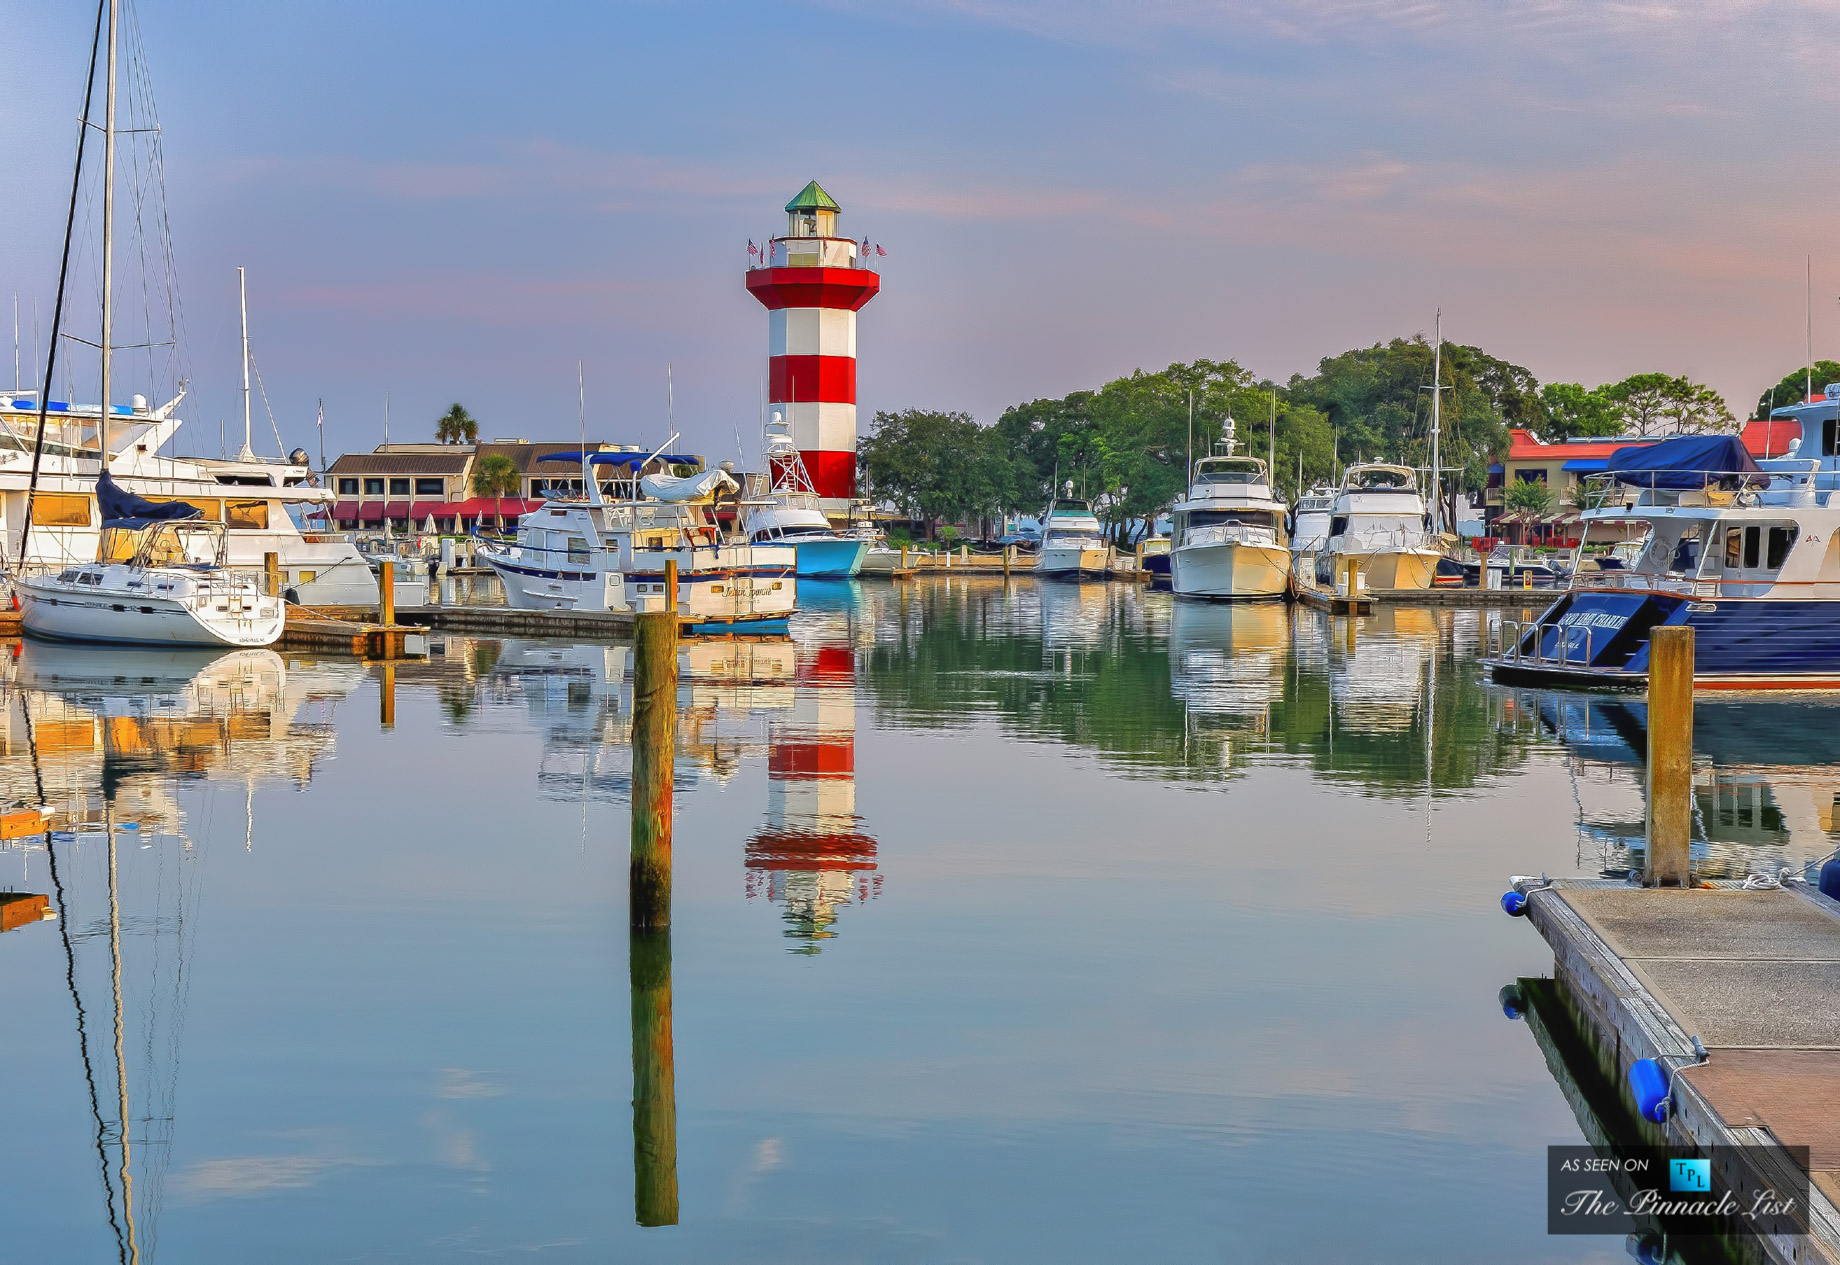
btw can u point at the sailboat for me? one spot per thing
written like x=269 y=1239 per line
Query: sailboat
x=789 y=514
x=159 y=577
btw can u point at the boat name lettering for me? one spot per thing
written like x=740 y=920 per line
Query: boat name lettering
x=1592 y=619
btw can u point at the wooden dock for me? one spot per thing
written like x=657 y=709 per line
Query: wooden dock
x=1754 y=975
x=313 y=628
x=1318 y=598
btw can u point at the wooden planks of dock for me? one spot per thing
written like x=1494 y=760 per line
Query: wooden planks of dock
x=1755 y=976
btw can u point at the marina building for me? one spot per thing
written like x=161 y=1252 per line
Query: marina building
x=406 y=485
x=1564 y=466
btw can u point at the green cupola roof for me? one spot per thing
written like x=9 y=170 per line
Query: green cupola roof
x=813 y=198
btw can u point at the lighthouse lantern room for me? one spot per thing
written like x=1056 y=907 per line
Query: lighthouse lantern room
x=812 y=283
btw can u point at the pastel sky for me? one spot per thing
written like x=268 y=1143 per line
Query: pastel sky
x=459 y=201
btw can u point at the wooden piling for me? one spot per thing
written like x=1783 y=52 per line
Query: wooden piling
x=653 y=739
x=386 y=686
x=1670 y=756
x=271 y=574
x=1009 y=557
x=654 y=1080
x=670 y=584
x=386 y=592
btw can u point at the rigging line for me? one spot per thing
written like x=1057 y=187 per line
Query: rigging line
x=57 y=311
x=76 y=998
x=175 y=311
x=265 y=404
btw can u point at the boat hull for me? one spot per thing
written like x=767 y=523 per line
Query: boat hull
x=1071 y=561
x=1600 y=638
x=1394 y=569
x=108 y=617
x=1230 y=570
x=541 y=589
x=837 y=559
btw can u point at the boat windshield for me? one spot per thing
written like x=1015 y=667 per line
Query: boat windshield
x=171 y=543
x=1215 y=518
x=1239 y=474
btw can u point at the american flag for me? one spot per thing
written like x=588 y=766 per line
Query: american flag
x=879 y=250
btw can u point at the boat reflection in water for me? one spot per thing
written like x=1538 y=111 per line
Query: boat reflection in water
x=1766 y=776
x=103 y=742
x=1227 y=666
x=811 y=854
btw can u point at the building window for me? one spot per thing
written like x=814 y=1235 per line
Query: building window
x=1536 y=475
x=373 y=487
x=348 y=487
x=399 y=487
x=429 y=487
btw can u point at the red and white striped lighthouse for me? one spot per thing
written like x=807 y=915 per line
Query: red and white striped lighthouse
x=812 y=283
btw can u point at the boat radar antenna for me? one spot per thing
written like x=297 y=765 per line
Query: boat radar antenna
x=1229 y=435
x=1069 y=487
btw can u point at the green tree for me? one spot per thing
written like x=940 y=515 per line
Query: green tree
x=935 y=466
x=496 y=475
x=456 y=426
x=1378 y=402
x=1528 y=495
x=1794 y=384
x=1575 y=411
x=1657 y=403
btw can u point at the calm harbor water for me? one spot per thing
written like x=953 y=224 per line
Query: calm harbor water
x=1049 y=923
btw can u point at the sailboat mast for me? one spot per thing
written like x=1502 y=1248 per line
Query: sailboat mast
x=108 y=240
x=1271 y=437
x=1437 y=392
x=242 y=294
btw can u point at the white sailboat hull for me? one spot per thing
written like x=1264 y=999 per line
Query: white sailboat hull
x=1230 y=569
x=61 y=612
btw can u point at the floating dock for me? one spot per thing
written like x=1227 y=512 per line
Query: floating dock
x=1755 y=976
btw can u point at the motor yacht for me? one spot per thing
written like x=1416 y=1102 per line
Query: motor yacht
x=1229 y=539
x=601 y=555
x=1071 y=545
x=1378 y=523
x=1744 y=552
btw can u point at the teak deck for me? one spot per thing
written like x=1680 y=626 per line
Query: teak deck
x=1755 y=975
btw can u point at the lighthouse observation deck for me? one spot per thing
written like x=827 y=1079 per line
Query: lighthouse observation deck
x=811 y=252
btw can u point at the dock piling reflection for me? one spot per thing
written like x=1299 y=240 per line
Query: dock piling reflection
x=654 y=1079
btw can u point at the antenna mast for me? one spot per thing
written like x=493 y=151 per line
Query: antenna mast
x=1437 y=393
x=242 y=294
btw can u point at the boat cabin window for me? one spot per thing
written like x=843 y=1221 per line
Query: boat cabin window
x=1213 y=518
x=60 y=509
x=1758 y=545
x=578 y=550
x=248 y=515
x=1830 y=436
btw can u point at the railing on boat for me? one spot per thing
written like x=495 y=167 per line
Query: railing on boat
x=1783 y=480
x=1518 y=654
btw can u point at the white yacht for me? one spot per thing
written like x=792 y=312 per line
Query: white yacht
x=601 y=555
x=1070 y=541
x=1379 y=524
x=156 y=581
x=786 y=513
x=1310 y=515
x=1229 y=539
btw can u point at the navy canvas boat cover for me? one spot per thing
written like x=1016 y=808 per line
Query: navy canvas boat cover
x=121 y=508
x=1686 y=462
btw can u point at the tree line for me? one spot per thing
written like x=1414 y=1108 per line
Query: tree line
x=1126 y=445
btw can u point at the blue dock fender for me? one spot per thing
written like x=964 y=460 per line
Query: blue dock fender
x=1648 y=1081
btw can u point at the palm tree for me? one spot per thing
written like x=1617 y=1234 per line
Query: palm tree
x=457 y=426
x=496 y=475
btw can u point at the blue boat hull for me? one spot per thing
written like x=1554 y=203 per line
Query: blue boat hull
x=835 y=559
x=1600 y=637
